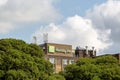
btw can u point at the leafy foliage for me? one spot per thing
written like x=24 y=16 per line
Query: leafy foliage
x=56 y=77
x=22 y=61
x=100 y=68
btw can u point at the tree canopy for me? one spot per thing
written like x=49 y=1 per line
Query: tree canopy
x=22 y=61
x=99 y=68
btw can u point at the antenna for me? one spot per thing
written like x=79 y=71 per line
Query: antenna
x=34 y=39
x=45 y=37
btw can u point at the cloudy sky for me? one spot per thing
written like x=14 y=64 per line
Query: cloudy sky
x=79 y=22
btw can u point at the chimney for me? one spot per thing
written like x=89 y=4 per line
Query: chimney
x=87 y=50
x=93 y=49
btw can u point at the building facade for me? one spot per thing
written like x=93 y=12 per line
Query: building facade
x=85 y=52
x=61 y=55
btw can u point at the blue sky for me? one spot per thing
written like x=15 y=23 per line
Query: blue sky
x=70 y=7
x=78 y=22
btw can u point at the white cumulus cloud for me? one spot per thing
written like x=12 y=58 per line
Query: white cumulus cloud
x=77 y=31
x=107 y=16
x=21 y=11
x=2 y=2
x=5 y=27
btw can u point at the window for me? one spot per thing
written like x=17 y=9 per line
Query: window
x=71 y=61
x=64 y=61
x=52 y=60
x=59 y=61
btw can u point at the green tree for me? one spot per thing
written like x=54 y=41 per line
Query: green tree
x=22 y=61
x=56 y=77
x=99 y=68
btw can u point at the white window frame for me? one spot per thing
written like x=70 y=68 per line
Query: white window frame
x=52 y=60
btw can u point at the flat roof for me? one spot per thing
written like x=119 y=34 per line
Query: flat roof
x=59 y=44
